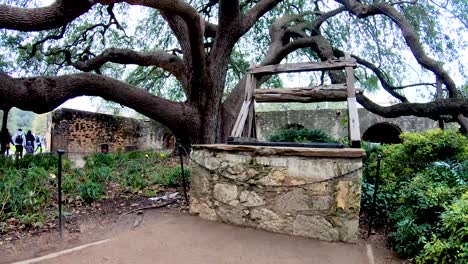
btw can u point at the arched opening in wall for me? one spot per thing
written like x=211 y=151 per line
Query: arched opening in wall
x=385 y=133
x=293 y=126
x=169 y=141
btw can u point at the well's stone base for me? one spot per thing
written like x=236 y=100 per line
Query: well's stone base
x=305 y=192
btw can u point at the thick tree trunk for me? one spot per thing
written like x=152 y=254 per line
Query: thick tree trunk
x=4 y=136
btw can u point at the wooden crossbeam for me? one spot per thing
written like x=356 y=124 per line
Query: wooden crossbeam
x=328 y=93
x=305 y=66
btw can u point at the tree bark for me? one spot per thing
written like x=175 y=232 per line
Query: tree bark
x=4 y=135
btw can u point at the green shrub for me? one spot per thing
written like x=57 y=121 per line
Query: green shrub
x=302 y=135
x=100 y=160
x=174 y=178
x=100 y=174
x=420 y=178
x=451 y=245
x=23 y=192
x=91 y=191
x=420 y=203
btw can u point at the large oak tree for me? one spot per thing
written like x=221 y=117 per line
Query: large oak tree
x=77 y=47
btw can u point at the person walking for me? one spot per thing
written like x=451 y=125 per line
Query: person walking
x=20 y=142
x=38 y=143
x=30 y=138
x=5 y=140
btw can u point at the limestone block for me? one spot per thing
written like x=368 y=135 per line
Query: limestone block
x=320 y=169
x=321 y=188
x=200 y=185
x=347 y=196
x=202 y=209
x=230 y=215
x=251 y=199
x=212 y=163
x=225 y=192
x=321 y=203
x=348 y=229
x=274 y=178
x=292 y=202
x=272 y=161
x=315 y=227
x=239 y=173
x=198 y=156
x=269 y=220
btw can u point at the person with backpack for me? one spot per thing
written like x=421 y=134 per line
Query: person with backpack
x=38 y=143
x=30 y=138
x=20 y=142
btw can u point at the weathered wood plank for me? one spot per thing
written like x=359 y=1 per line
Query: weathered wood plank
x=286 y=151
x=240 y=122
x=335 y=92
x=350 y=82
x=304 y=66
x=353 y=121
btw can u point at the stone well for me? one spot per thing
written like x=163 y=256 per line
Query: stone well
x=310 y=192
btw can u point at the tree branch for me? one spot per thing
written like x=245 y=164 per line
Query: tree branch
x=434 y=109
x=229 y=12
x=164 y=60
x=379 y=73
x=380 y=8
x=43 y=94
x=60 y=13
x=256 y=12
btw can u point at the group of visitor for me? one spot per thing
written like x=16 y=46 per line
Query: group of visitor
x=32 y=144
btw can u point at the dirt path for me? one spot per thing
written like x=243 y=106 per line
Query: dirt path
x=189 y=239
x=169 y=236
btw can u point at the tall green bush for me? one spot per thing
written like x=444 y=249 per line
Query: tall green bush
x=451 y=245
x=420 y=179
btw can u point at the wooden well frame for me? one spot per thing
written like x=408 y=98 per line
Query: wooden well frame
x=333 y=92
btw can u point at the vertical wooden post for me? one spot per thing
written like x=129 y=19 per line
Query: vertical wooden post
x=354 y=132
x=250 y=97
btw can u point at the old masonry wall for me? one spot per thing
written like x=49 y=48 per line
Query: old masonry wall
x=312 y=193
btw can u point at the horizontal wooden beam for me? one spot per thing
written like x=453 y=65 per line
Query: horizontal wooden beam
x=325 y=93
x=301 y=67
x=285 y=151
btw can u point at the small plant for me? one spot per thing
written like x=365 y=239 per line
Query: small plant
x=302 y=135
x=174 y=178
x=91 y=191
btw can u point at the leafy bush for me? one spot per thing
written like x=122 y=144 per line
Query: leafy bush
x=294 y=134
x=420 y=179
x=451 y=245
x=419 y=205
x=91 y=191
x=174 y=178
x=100 y=160
x=23 y=192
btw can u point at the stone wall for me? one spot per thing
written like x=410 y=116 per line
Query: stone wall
x=333 y=121
x=312 y=193
x=81 y=132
